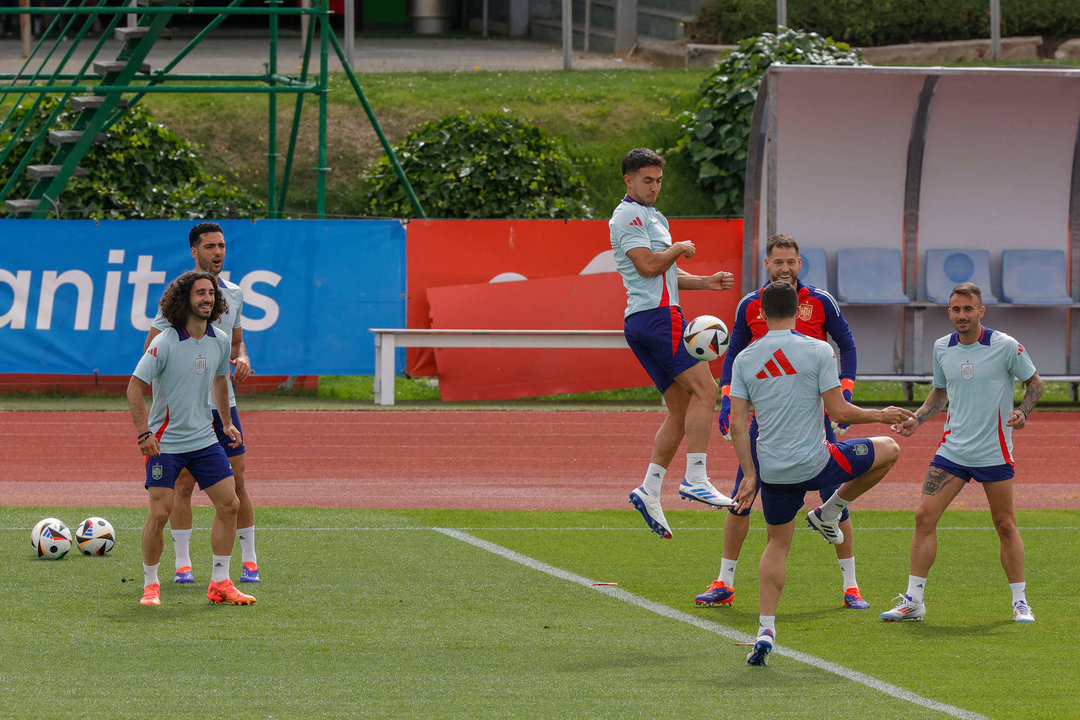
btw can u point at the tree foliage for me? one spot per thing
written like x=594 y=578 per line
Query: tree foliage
x=718 y=129
x=478 y=166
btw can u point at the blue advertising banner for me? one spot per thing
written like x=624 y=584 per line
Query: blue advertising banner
x=78 y=296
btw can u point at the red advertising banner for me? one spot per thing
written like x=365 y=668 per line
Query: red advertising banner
x=457 y=252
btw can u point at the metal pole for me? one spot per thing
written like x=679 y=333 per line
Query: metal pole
x=304 y=21
x=271 y=132
x=24 y=28
x=588 y=25
x=995 y=29
x=483 y=20
x=350 y=30
x=324 y=90
x=567 y=33
x=781 y=13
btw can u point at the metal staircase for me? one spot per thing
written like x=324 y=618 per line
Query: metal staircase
x=99 y=90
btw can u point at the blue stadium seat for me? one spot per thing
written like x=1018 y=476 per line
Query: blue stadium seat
x=1034 y=277
x=947 y=268
x=815 y=267
x=870 y=276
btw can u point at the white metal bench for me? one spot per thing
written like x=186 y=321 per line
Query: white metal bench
x=387 y=340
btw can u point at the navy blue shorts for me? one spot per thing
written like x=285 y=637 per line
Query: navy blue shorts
x=655 y=336
x=208 y=466
x=992 y=473
x=225 y=440
x=825 y=493
x=847 y=459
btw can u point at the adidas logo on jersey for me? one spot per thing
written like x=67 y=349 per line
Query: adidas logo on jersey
x=776 y=366
x=636 y=222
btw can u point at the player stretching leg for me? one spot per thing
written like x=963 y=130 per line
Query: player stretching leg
x=818 y=317
x=973 y=375
x=645 y=257
x=790 y=379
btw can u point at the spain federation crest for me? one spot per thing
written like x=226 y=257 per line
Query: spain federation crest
x=200 y=365
x=861 y=449
x=806 y=311
x=157 y=471
x=967 y=370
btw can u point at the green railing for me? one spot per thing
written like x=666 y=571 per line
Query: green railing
x=102 y=89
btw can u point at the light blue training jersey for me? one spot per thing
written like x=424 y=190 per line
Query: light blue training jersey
x=783 y=374
x=979 y=381
x=182 y=370
x=634 y=225
x=229 y=320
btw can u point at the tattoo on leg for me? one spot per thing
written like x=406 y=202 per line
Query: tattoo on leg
x=936 y=478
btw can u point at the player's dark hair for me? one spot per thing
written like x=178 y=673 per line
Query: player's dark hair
x=779 y=300
x=195 y=236
x=968 y=288
x=176 y=302
x=640 y=158
x=780 y=241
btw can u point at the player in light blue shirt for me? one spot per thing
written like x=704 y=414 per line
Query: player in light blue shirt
x=653 y=324
x=974 y=372
x=207 y=243
x=791 y=380
x=186 y=363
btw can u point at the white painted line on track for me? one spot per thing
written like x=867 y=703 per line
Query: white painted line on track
x=710 y=626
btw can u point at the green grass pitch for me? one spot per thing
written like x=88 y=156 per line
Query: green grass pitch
x=375 y=614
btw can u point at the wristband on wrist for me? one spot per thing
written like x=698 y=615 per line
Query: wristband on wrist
x=145 y=435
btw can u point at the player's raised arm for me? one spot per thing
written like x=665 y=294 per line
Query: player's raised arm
x=717 y=281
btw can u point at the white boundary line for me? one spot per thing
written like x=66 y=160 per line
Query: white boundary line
x=601 y=528
x=710 y=626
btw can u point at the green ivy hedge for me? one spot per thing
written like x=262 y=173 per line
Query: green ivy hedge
x=718 y=129
x=478 y=166
x=142 y=170
x=887 y=22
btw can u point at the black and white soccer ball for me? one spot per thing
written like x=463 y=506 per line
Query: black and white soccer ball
x=95 y=536
x=706 y=337
x=51 y=539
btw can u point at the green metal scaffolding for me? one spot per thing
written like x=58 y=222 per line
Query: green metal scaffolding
x=102 y=90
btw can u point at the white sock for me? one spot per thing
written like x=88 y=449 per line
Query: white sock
x=847 y=567
x=654 y=479
x=182 y=547
x=727 y=572
x=1019 y=591
x=695 y=467
x=220 y=569
x=246 y=536
x=916 y=586
x=767 y=622
x=149 y=574
x=833 y=508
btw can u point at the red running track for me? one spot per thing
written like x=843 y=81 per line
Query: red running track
x=447 y=459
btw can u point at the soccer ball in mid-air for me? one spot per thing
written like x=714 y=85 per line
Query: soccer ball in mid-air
x=50 y=539
x=95 y=536
x=706 y=337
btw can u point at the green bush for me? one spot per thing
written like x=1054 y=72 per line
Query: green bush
x=478 y=166
x=141 y=170
x=718 y=129
x=887 y=22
